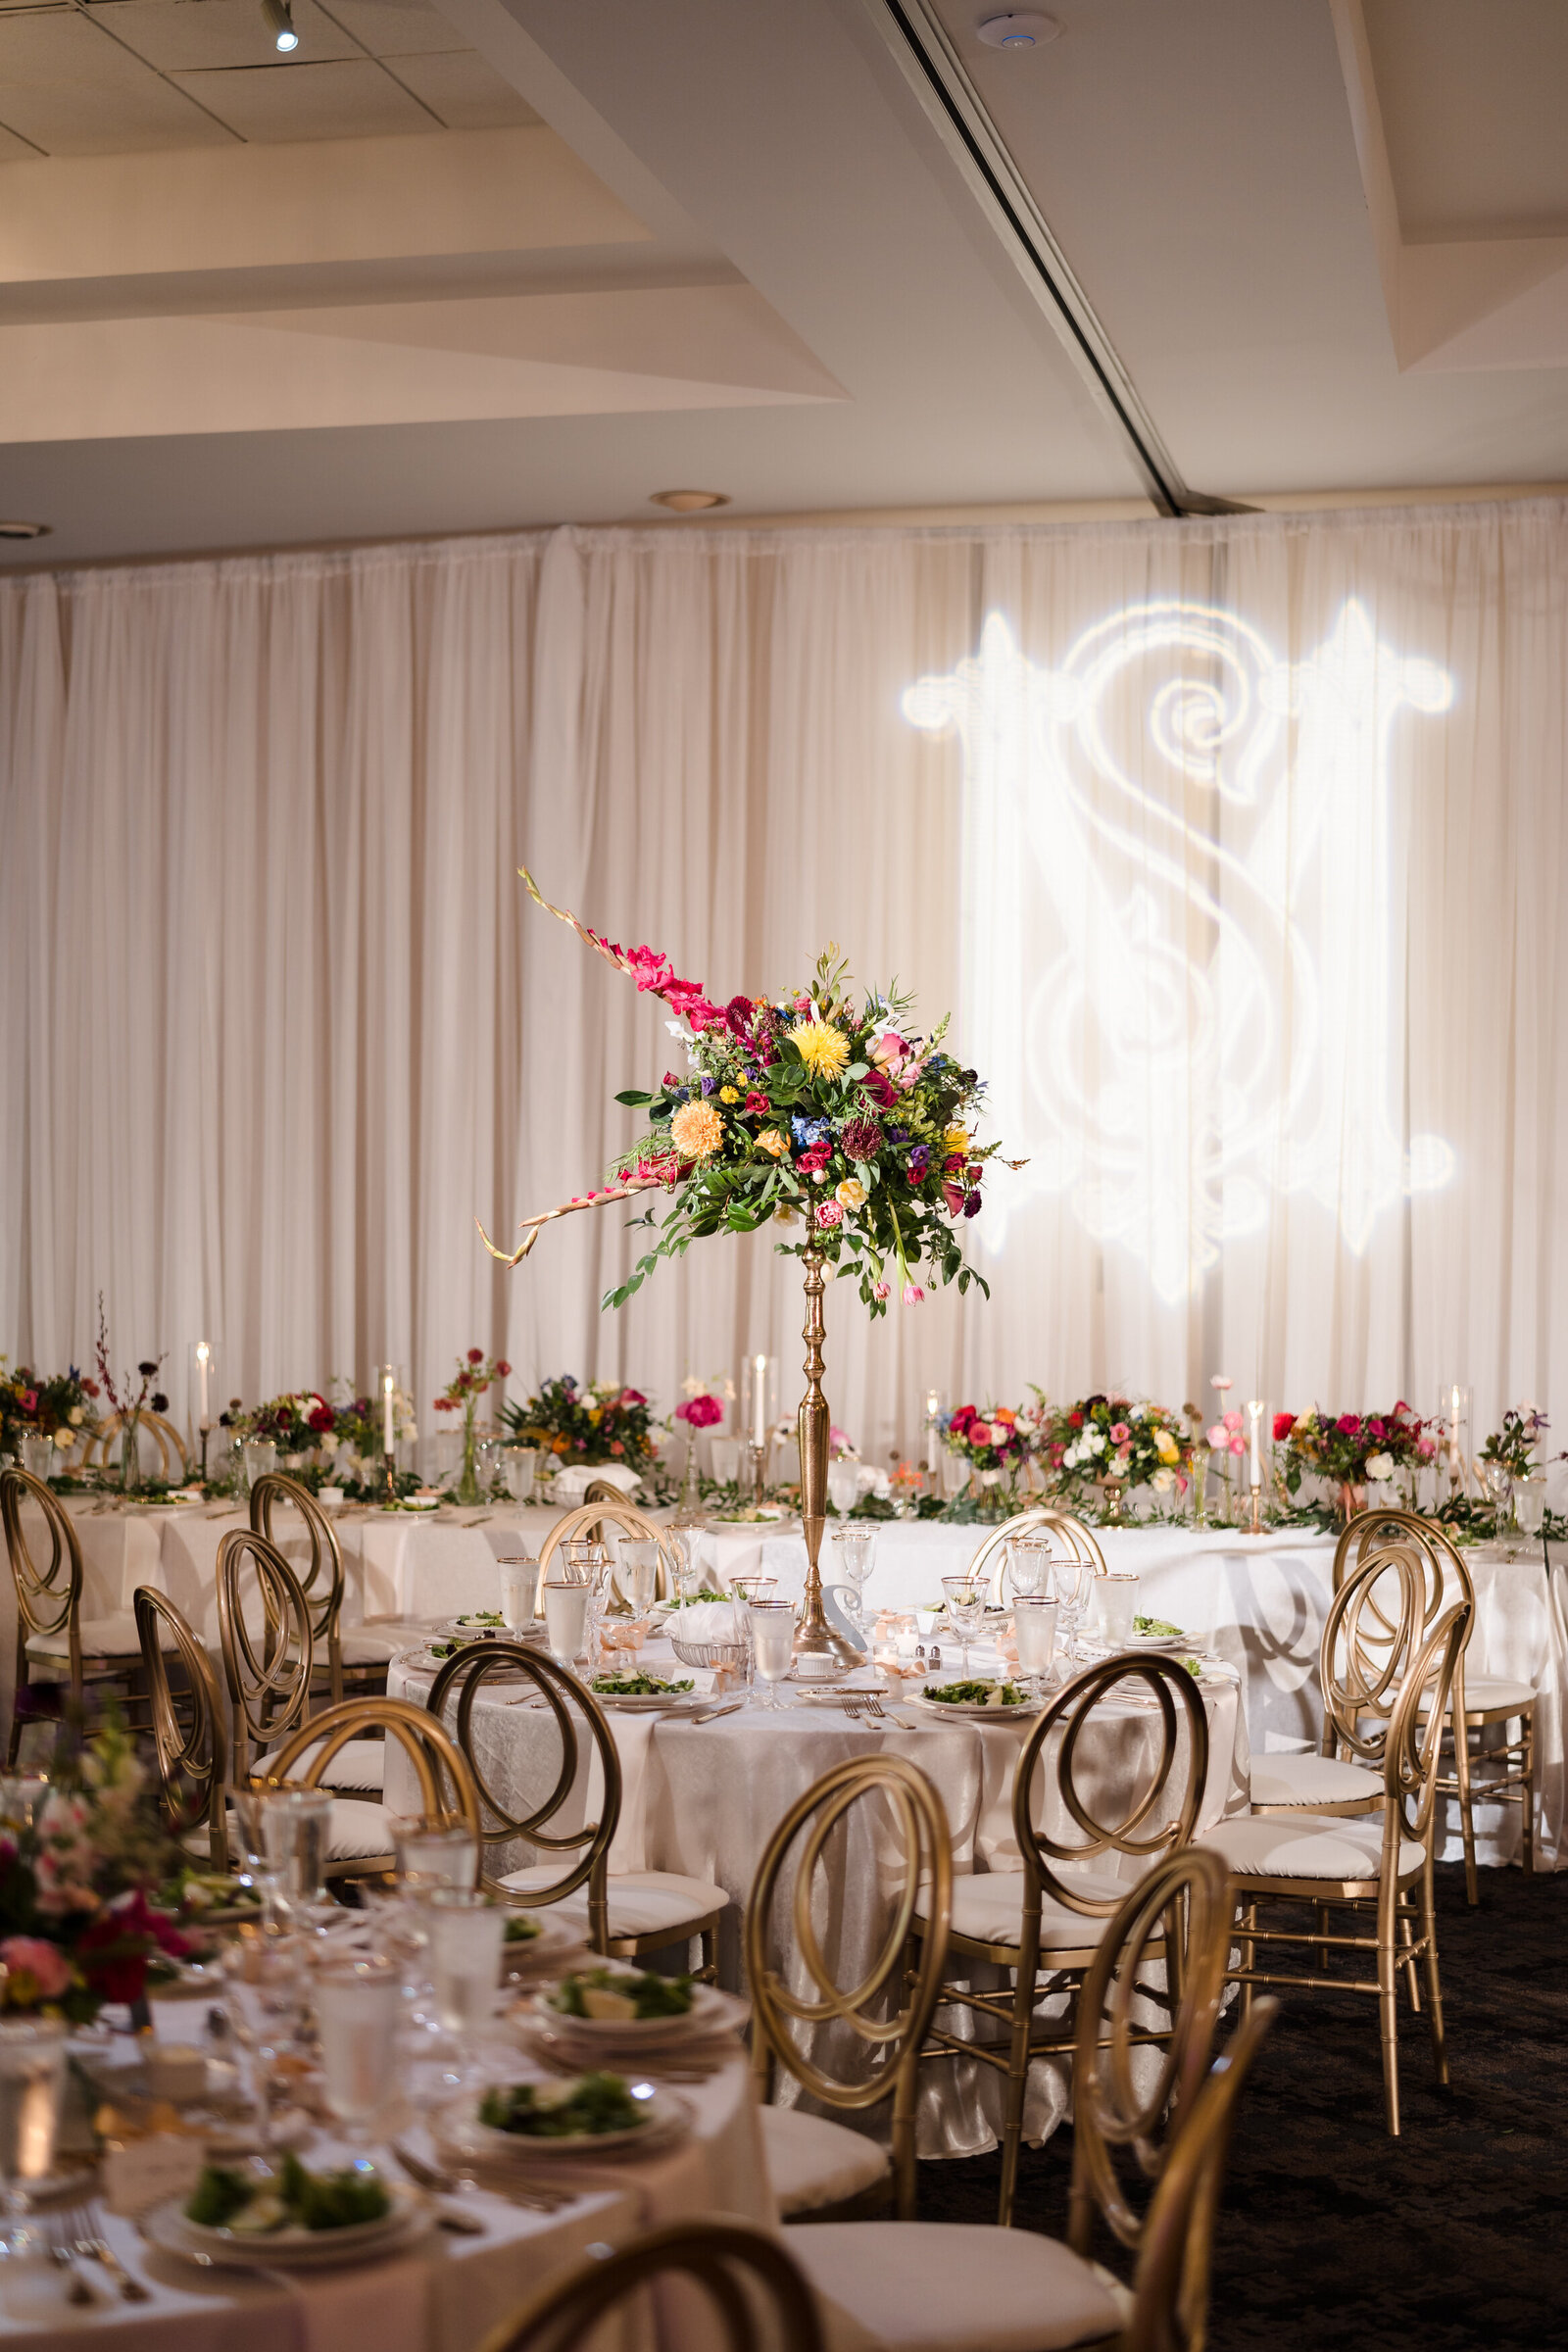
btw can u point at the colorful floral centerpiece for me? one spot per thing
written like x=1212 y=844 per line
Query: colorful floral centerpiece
x=1351 y=1451
x=472 y=1379
x=77 y=1926
x=592 y=1422
x=1113 y=1443
x=815 y=1112
x=57 y=1405
x=993 y=1443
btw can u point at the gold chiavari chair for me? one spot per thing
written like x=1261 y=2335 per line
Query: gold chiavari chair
x=352 y=1657
x=620 y=1913
x=1066 y=1533
x=1046 y=1920
x=448 y=1795
x=55 y=1644
x=172 y=1454
x=930 y=2288
x=191 y=1735
x=756 y=2294
x=1382 y=1860
x=269 y=1648
x=882 y=2020
x=1370 y=1634
x=587 y=1522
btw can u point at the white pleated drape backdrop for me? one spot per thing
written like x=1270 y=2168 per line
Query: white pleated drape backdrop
x=1236 y=848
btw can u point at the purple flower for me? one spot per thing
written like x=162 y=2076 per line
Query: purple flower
x=918 y=1163
x=971 y=1206
x=709 y=1086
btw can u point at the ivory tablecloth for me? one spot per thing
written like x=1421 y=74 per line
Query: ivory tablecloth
x=704 y=1800
x=444 y=2295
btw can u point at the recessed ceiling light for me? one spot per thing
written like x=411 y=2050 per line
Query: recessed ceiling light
x=688 y=502
x=25 y=530
x=279 y=16
x=1022 y=29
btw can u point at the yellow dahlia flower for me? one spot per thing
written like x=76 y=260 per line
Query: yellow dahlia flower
x=696 y=1131
x=824 y=1050
x=771 y=1142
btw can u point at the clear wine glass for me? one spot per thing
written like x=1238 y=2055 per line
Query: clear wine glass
x=966 y=1608
x=853 y=1550
x=1075 y=1582
x=1029 y=1564
x=772 y=1638
x=263 y=1988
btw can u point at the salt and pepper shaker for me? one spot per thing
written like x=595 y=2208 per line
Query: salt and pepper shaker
x=936 y=1659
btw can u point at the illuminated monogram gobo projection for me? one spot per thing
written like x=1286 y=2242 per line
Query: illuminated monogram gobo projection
x=1179 y=939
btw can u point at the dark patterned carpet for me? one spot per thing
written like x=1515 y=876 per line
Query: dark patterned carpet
x=1455 y=2233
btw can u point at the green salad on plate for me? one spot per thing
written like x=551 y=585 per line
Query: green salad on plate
x=976 y=1694
x=581 y=2108
x=255 y=2204
x=602 y=1993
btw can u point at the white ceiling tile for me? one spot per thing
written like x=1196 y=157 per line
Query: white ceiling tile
x=179 y=35
x=71 y=90
x=396 y=28
x=466 y=91
x=295 y=100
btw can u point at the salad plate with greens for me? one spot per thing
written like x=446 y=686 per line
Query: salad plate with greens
x=589 y=2113
x=638 y=1694
x=272 y=2215
x=628 y=2009
x=980 y=1699
x=1157 y=1632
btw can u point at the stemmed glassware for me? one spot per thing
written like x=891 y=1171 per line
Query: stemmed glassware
x=966 y=1597
x=772 y=1634
x=1029 y=1559
x=33 y=2073
x=1075 y=1584
x=852 y=1549
x=262 y=1985
x=464 y=1932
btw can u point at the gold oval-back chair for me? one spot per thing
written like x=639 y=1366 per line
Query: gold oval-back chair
x=1063 y=1531
x=587 y=1522
x=1382 y=1860
x=446 y=1786
x=755 y=2298
x=54 y=1645
x=354 y=1661
x=622 y=1913
x=1480 y=1703
x=1373 y=1627
x=189 y=1732
x=883 y=2018
x=1135 y=2124
x=266 y=1666
x=173 y=1452
x=1047 y=1918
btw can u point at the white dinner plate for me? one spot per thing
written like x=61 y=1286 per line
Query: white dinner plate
x=1158 y=1644
x=292 y=2248
x=664 y=2114
x=543 y=1953
x=710 y=2013
x=651 y=1702
x=969 y=1710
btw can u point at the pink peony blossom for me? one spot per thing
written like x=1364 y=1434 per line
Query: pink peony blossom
x=37 y=1971
x=829 y=1215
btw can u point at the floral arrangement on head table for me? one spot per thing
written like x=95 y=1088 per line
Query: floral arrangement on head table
x=811 y=1111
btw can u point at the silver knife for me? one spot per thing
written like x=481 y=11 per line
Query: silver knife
x=713 y=1714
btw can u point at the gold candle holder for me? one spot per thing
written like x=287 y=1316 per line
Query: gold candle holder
x=1256 y=1526
x=815 y=1636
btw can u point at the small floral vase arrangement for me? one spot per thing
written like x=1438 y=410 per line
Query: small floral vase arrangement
x=993 y=1444
x=1114 y=1443
x=700 y=1408
x=78 y=1923
x=591 y=1422
x=1352 y=1451
x=472 y=1379
x=129 y=1403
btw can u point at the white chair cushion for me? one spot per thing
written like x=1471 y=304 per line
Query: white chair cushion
x=1311 y=1781
x=113 y=1637
x=812 y=2161
x=358 y=1764
x=363 y=1645
x=356 y=1833
x=952 y=2286
x=1487 y=1692
x=641 y=1901
x=1319 y=1846
x=988 y=1906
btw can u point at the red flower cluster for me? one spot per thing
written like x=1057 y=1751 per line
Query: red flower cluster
x=115 y=1951
x=700 y=1412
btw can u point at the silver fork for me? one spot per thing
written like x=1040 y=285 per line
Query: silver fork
x=98 y=2249
x=63 y=2255
x=870 y=1708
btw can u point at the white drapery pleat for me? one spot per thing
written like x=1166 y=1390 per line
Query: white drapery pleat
x=1236 y=848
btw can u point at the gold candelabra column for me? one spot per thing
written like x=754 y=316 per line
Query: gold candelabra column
x=814 y=1635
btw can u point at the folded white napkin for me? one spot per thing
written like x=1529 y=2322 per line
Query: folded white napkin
x=704 y=1621
x=571 y=1482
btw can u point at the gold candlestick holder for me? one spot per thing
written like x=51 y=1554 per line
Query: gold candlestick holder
x=1255 y=1525
x=815 y=1636
x=389 y=1475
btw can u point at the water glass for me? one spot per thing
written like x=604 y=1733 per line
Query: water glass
x=520 y=1589
x=966 y=1608
x=1117 y=1593
x=1529 y=1502
x=285 y=1836
x=433 y=1854
x=465 y=1930
x=33 y=2073
x=566 y=1620
x=258 y=1459
x=637 y=1573
x=520 y=1465
x=487 y=1460
x=772 y=1635
x=1075 y=1586
x=579 y=1560
x=1034 y=1623
x=844 y=1487
x=37 y=1456
x=263 y=1979
x=357 y=2004
x=852 y=1549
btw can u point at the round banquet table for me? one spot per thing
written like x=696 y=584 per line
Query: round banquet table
x=445 y=2292
x=703 y=1799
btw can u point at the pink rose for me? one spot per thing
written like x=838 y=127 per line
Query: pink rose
x=829 y=1215
x=38 y=1971
x=1237 y=1444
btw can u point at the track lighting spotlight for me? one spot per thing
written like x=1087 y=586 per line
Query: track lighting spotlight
x=279 y=16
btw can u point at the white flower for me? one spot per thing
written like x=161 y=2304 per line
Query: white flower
x=1378 y=1467
x=1097 y=1441
x=1163 y=1480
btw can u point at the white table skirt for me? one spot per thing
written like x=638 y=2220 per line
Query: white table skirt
x=704 y=1800
x=448 y=2292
